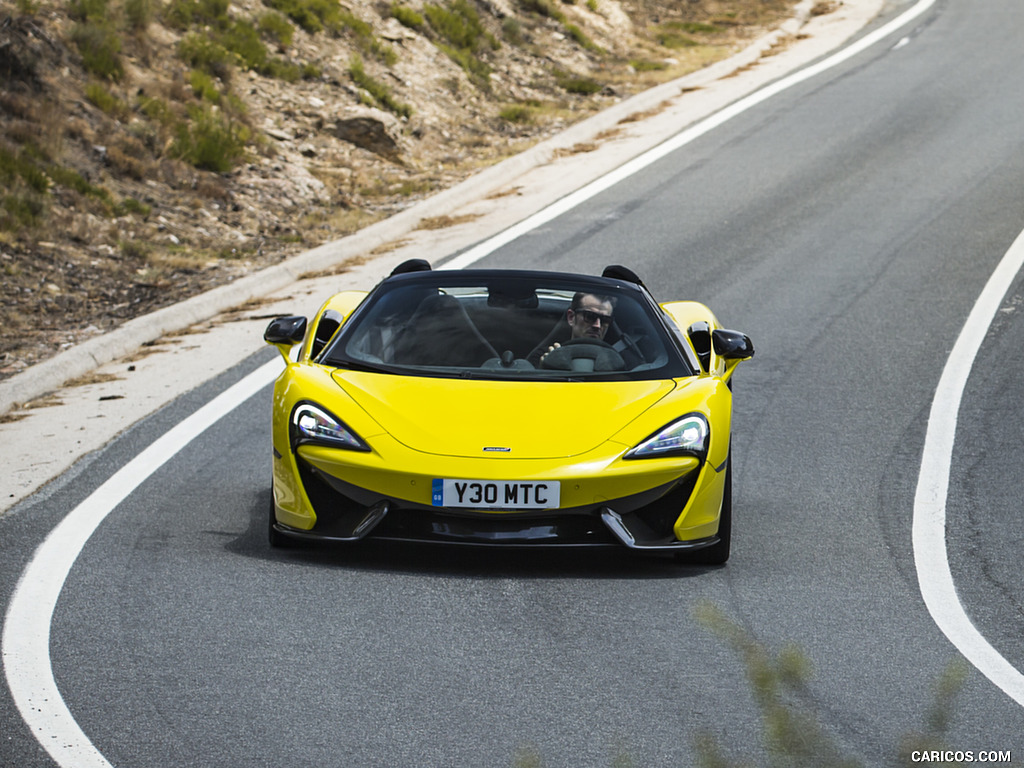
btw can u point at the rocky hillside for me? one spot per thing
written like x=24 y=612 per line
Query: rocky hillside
x=150 y=149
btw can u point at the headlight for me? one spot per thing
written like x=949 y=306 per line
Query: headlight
x=311 y=423
x=685 y=436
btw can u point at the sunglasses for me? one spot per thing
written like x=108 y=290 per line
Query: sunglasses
x=590 y=317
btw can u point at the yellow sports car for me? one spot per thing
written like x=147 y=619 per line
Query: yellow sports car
x=506 y=407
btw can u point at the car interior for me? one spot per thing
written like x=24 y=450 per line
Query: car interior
x=504 y=327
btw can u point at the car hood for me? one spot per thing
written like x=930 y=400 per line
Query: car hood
x=524 y=420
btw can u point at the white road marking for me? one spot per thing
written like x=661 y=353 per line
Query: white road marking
x=929 y=527
x=26 y=635
x=25 y=641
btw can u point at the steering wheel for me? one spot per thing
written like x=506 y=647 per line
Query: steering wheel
x=584 y=355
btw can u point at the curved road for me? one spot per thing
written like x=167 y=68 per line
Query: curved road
x=848 y=224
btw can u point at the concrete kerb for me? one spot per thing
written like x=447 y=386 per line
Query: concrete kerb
x=79 y=360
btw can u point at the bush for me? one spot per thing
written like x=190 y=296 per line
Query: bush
x=583 y=86
x=107 y=102
x=517 y=113
x=206 y=54
x=460 y=27
x=203 y=86
x=16 y=168
x=88 y=10
x=210 y=140
x=19 y=211
x=366 y=40
x=407 y=17
x=380 y=93
x=312 y=15
x=464 y=38
x=544 y=8
x=100 y=46
x=138 y=13
x=276 y=27
x=183 y=14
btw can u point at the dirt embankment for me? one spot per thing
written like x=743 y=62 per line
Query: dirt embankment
x=151 y=150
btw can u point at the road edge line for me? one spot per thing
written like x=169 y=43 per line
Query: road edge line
x=931 y=556
x=25 y=641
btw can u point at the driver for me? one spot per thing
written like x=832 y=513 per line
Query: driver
x=589 y=317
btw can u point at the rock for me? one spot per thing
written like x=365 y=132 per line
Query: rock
x=371 y=129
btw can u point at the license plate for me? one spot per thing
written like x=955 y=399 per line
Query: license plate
x=495 y=494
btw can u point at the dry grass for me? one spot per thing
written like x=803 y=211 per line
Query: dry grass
x=46 y=401
x=444 y=222
x=389 y=247
x=93 y=378
x=636 y=117
x=507 y=192
x=337 y=269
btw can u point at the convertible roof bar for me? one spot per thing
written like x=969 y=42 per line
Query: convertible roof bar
x=411 y=265
x=614 y=271
x=619 y=272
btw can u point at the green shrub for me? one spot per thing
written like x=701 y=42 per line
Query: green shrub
x=583 y=86
x=581 y=38
x=135 y=249
x=407 y=17
x=276 y=27
x=202 y=52
x=244 y=41
x=517 y=113
x=312 y=15
x=464 y=37
x=544 y=8
x=479 y=71
x=210 y=140
x=673 y=39
x=100 y=46
x=21 y=211
x=157 y=110
x=138 y=14
x=182 y=14
x=512 y=30
x=16 y=168
x=366 y=40
x=73 y=180
x=88 y=10
x=460 y=27
x=691 y=27
x=203 y=86
x=107 y=102
x=380 y=93
x=641 y=65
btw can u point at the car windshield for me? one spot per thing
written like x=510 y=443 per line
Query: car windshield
x=529 y=326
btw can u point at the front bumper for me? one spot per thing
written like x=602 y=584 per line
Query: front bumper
x=644 y=521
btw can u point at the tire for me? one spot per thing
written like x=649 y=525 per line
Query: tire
x=717 y=554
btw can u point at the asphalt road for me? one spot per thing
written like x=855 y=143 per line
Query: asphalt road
x=848 y=225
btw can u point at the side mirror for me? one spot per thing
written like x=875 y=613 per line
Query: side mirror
x=285 y=332
x=732 y=345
